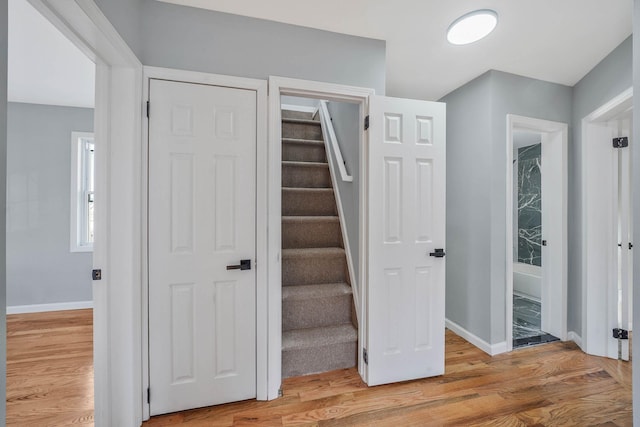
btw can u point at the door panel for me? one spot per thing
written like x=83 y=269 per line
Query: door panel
x=405 y=337
x=202 y=189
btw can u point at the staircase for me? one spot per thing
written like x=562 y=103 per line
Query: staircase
x=318 y=332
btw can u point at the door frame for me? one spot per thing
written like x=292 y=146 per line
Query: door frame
x=594 y=340
x=558 y=133
x=260 y=87
x=117 y=300
x=309 y=89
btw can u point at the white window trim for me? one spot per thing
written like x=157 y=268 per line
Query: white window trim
x=76 y=172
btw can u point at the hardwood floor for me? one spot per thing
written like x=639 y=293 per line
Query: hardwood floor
x=50 y=368
x=50 y=382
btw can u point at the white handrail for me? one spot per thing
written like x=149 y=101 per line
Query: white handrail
x=327 y=129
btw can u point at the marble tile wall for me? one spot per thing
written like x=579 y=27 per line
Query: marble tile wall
x=529 y=205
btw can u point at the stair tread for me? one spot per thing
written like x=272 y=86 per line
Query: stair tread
x=305 y=164
x=324 y=290
x=311 y=252
x=302 y=141
x=308 y=189
x=310 y=218
x=301 y=121
x=318 y=337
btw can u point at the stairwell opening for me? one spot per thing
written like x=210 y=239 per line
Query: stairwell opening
x=319 y=217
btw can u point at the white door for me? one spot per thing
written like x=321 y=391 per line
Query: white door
x=624 y=229
x=554 y=258
x=202 y=191
x=406 y=192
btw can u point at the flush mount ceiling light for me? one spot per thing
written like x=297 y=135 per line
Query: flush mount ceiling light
x=472 y=26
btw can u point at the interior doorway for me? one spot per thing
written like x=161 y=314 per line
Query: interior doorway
x=536 y=231
x=607 y=247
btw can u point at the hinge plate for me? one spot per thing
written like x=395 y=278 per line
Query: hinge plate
x=149 y=395
x=366 y=123
x=96 y=274
x=365 y=356
x=148 y=107
x=620 y=334
x=620 y=142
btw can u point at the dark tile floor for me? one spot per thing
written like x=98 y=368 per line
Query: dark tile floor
x=526 y=323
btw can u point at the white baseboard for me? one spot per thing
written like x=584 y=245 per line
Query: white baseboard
x=37 y=308
x=490 y=349
x=573 y=336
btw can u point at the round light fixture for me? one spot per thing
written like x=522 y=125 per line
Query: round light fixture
x=472 y=26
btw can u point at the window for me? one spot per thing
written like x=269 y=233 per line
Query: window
x=82 y=187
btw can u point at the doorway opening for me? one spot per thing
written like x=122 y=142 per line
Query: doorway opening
x=536 y=231
x=50 y=220
x=608 y=228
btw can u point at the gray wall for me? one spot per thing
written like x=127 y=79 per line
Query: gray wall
x=168 y=35
x=125 y=16
x=3 y=180
x=636 y=212
x=476 y=197
x=511 y=94
x=346 y=124
x=609 y=78
x=40 y=267
x=468 y=275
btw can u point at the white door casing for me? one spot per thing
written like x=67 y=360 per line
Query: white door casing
x=406 y=287
x=554 y=185
x=202 y=218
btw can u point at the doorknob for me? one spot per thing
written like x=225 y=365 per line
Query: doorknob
x=245 y=264
x=439 y=253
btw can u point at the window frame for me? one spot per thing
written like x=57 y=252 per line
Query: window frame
x=78 y=214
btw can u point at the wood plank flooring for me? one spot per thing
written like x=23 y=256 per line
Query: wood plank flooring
x=50 y=369
x=552 y=384
x=50 y=382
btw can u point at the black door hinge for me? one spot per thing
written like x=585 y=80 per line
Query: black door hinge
x=96 y=274
x=148 y=395
x=620 y=334
x=365 y=356
x=620 y=142
x=630 y=245
x=366 y=123
x=148 y=106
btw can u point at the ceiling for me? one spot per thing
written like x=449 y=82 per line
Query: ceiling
x=44 y=67
x=556 y=41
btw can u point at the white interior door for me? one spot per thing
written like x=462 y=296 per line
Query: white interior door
x=624 y=230
x=202 y=216
x=554 y=257
x=406 y=198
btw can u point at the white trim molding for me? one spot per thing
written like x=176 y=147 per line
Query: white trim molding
x=117 y=313
x=317 y=90
x=490 y=349
x=576 y=338
x=515 y=122
x=40 y=308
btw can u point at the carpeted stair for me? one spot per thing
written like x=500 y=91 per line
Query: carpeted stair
x=318 y=333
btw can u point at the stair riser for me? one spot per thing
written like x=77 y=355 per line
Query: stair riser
x=305 y=177
x=316 y=312
x=311 y=234
x=302 y=203
x=299 y=152
x=318 y=359
x=289 y=114
x=301 y=131
x=312 y=270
